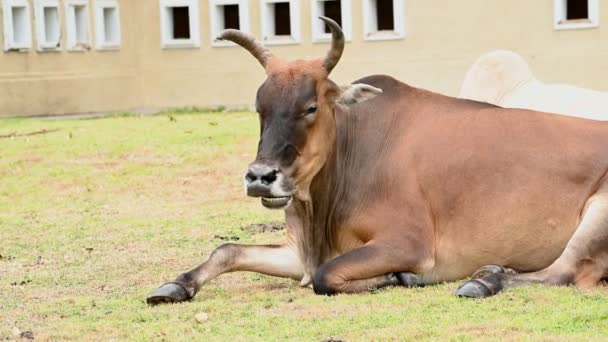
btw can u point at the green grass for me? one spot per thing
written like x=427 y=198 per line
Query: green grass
x=96 y=215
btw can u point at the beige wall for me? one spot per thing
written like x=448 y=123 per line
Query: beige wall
x=71 y=82
x=443 y=38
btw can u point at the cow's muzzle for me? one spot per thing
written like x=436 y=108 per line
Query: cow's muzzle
x=268 y=183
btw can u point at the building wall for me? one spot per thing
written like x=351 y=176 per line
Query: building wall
x=33 y=82
x=443 y=38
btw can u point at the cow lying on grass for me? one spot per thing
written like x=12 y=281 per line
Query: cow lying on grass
x=504 y=78
x=407 y=187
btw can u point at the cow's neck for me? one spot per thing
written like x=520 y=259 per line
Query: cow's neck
x=313 y=226
x=317 y=213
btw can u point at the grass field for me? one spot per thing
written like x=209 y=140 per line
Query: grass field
x=95 y=214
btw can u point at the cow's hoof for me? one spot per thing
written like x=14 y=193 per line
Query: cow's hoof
x=169 y=293
x=408 y=279
x=474 y=289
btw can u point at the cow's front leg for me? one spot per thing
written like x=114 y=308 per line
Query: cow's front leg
x=274 y=260
x=369 y=267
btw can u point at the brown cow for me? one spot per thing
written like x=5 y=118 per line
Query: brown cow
x=412 y=187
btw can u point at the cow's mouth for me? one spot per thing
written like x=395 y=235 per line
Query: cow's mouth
x=276 y=202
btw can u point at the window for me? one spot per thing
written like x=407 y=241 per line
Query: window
x=577 y=10
x=230 y=16
x=107 y=24
x=77 y=25
x=227 y=14
x=338 y=10
x=17 y=25
x=48 y=24
x=280 y=21
x=383 y=19
x=576 y=14
x=179 y=22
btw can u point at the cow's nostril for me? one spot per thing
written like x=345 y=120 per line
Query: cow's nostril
x=250 y=177
x=269 y=178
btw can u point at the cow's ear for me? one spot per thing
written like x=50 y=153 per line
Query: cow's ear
x=356 y=93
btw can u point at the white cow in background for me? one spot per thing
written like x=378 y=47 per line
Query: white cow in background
x=504 y=78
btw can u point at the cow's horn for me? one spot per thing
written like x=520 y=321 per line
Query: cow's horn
x=337 y=44
x=247 y=41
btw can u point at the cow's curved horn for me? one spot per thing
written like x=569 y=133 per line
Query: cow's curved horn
x=248 y=42
x=337 y=44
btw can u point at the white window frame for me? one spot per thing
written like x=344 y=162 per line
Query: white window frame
x=370 y=22
x=101 y=43
x=216 y=21
x=167 y=41
x=268 y=23
x=72 y=43
x=561 y=23
x=318 y=32
x=9 y=34
x=40 y=21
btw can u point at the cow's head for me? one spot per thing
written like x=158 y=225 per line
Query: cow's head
x=296 y=109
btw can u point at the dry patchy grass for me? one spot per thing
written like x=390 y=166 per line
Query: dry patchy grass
x=96 y=215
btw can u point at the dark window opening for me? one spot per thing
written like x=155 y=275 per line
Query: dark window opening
x=333 y=10
x=385 y=15
x=181 y=22
x=231 y=17
x=282 y=19
x=577 y=9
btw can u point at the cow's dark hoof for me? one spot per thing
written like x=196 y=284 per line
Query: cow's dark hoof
x=169 y=293
x=474 y=289
x=490 y=269
x=408 y=279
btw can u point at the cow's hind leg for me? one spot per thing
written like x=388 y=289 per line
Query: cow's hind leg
x=584 y=261
x=274 y=260
x=372 y=266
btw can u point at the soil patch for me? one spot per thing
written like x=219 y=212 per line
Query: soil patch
x=267 y=227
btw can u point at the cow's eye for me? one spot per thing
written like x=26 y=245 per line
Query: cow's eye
x=312 y=109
